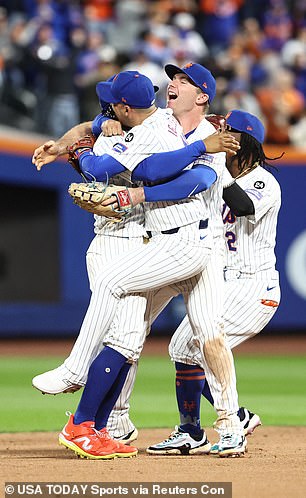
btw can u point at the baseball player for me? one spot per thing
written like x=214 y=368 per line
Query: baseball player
x=252 y=291
x=162 y=256
x=110 y=239
x=196 y=65
x=191 y=233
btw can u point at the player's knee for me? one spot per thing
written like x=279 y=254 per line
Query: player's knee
x=214 y=345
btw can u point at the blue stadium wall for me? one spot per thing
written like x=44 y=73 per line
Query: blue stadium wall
x=44 y=236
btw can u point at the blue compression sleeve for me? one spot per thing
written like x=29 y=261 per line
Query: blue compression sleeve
x=168 y=164
x=188 y=183
x=97 y=123
x=155 y=168
x=100 y=167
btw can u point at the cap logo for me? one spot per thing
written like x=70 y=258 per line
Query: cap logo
x=136 y=75
x=115 y=77
x=190 y=64
x=204 y=84
x=123 y=99
x=249 y=128
x=228 y=115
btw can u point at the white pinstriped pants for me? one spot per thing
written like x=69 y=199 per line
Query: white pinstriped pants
x=166 y=261
x=101 y=253
x=246 y=312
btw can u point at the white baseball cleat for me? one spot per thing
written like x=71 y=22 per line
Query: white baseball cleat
x=127 y=438
x=232 y=445
x=55 y=382
x=248 y=420
x=181 y=443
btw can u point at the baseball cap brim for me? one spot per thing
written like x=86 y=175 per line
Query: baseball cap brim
x=104 y=91
x=171 y=70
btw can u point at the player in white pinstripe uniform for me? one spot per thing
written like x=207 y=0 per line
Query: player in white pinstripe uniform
x=189 y=233
x=252 y=291
x=206 y=126
x=109 y=240
x=119 y=281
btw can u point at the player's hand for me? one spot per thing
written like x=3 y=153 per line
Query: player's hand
x=46 y=153
x=111 y=127
x=222 y=142
x=137 y=196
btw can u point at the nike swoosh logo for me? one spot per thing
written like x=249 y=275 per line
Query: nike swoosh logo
x=191 y=193
x=202 y=237
x=270 y=288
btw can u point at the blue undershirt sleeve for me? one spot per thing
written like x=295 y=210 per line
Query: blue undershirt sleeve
x=168 y=164
x=99 y=167
x=97 y=123
x=157 y=167
x=188 y=183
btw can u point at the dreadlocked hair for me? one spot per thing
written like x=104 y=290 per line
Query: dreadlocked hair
x=251 y=154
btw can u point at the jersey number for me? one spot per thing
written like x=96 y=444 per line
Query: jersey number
x=231 y=239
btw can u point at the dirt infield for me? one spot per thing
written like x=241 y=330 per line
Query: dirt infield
x=274 y=467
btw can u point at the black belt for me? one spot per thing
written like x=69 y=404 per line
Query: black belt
x=203 y=224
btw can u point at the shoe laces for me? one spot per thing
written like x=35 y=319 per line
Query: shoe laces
x=174 y=435
x=230 y=438
x=103 y=434
x=227 y=438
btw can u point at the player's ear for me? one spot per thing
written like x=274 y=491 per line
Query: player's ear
x=202 y=98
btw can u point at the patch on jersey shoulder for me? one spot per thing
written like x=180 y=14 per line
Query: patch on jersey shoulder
x=118 y=147
x=206 y=158
x=129 y=137
x=259 y=184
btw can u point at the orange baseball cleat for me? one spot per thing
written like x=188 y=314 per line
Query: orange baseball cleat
x=87 y=442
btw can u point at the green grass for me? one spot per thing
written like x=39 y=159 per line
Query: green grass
x=274 y=387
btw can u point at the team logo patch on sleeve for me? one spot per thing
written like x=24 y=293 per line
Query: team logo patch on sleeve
x=118 y=147
x=259 y=184
x=206 y=158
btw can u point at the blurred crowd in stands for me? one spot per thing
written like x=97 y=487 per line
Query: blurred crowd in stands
x=53 y=52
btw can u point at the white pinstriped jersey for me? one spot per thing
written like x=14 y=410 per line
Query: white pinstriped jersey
x=250 y=240
x=133 y=223
x=211 y=198
x=160 y=132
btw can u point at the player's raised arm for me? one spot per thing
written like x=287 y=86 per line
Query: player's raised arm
x=52 y=149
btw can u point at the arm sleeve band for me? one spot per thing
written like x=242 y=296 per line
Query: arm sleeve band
x=156 y=167
x=188 y=183
x=97 y=123
x=238 y=200
x=100 y=167
x=168 y=164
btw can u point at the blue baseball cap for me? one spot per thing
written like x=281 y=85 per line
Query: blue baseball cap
x=128 y=87
x=200 y=76
x=246 y=123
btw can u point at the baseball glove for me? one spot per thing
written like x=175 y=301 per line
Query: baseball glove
x=217 y=120
x=89 y=196
x=77 y=149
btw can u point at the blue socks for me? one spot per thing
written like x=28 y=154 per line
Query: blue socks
x=190 y=381
x=101 y=382
x=207 y=394
x=109 y=401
